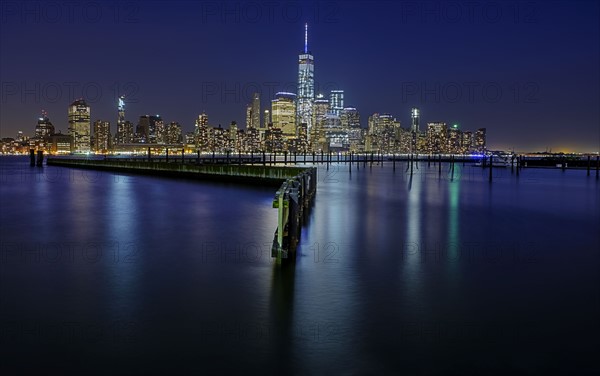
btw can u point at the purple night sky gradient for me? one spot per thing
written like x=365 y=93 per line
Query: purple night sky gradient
x=527 y=71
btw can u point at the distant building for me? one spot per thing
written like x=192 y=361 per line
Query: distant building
x=467 y=142
x=174 y=133
x=384 y=131
x=256 y=110
x=414 y=130
x=79 y=126
x=266 y=119
x=454 y=140
x=283 y=113
x=102 y=140
x=306 y=85
x=146 y=129
x=480 y=140
x=125 y=132
x=61 y=143
x=336 y=135
x=350 y=118
x=414 y=117
x=317 y=134
x=44 y=127
x=336 y=101
x=201 y=133
x=437 y=137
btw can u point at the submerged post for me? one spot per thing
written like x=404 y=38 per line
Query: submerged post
x=491 y=165
x=40 y=158
x=588 y=165
x=440 y=165
x=31 y=157
x=512 y=164
x=350 y=164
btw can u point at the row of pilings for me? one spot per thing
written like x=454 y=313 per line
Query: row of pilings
x=292 y=201
x=33 y=161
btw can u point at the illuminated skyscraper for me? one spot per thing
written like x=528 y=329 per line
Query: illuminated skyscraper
x=174 y=135
x=306 y=84
x=317 y=133
x=350 y=118
x=101 y=136
x=480 y=140
x=467 y=142
x=253 y=112
x=283 y=113
x=201 y=133
x=414 y=129
x=249 y=116
x=79 y=126
x=121 y=111
x=266 y=119
x=414 y=117
x=44 y=127
x=437 y=133
x=454 y=140
x=384 y=131
x=124 y=128
x=256 y=110
x=336 y=101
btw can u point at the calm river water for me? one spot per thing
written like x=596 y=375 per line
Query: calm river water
x=104 y=273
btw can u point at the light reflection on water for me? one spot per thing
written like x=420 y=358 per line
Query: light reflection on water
x=433 y=272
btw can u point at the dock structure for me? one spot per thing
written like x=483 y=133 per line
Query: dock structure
x=291 y=200
x=247 y=174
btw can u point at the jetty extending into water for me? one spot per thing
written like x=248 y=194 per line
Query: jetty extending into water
x=297 y=187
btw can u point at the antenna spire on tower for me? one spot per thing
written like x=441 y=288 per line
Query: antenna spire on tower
x=306 y=38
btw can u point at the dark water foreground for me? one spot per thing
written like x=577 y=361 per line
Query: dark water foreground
x=104 y=273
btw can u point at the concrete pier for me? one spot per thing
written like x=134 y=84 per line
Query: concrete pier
x=250 y=174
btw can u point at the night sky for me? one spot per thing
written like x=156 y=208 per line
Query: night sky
x=527 y=71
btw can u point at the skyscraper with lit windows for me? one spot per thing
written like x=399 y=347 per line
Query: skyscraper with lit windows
x=283 y=113
x=306 y=84
x=102 y=142
x=336 y=101
x=44 y=127
x=414 y=117
x=125 y=131
x=480 y=140
x=80 y=126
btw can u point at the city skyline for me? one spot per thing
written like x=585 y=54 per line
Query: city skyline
x=526 y=117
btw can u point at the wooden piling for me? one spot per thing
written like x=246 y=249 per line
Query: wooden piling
x=589 y=165
x=40 y=158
